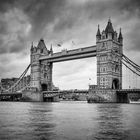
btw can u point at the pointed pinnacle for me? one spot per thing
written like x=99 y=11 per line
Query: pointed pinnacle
x=51 y=48
x=109 y=20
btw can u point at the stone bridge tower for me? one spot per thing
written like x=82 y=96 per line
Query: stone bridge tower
x=41 y=71
x=109 y=66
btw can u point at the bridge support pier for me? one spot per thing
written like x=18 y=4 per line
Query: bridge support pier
x=32 y=96
x=51 y=99
x=122 y=98
x=37 y=96
x=102 y=96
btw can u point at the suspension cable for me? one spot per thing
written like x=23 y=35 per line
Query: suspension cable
x=132 y=61
x=19 y=79
x=134 y=65
x=131 y=69
x=127 y=61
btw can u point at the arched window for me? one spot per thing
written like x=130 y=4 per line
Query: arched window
x=116 y=68
x=45 y=75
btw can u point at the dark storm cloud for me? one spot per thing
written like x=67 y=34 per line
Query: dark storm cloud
x=3 y=29
x=42 y=12
x=129 y=5
x=69 y=14
x=39 y=14
x=6 y=4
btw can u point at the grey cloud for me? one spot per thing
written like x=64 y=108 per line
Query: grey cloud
x=44 y=12
x=133 y=38
x=5 y=5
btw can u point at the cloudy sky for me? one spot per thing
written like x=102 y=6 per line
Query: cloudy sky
x=65 y=21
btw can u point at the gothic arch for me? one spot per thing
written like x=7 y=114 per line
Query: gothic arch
x=115 y=83
x=44 y=87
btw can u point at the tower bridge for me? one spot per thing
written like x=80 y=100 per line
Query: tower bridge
x=110 y=58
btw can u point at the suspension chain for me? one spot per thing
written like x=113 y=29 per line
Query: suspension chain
x=19 y=79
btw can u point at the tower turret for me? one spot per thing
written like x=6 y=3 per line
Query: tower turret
x=51 y=50
x=41 y=47
x=109 y=30
x=115 y=36
x=32 y=47
x=120 y=38
x=98 y=35
x=103 y=35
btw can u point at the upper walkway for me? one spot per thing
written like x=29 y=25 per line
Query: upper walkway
x=66 y=55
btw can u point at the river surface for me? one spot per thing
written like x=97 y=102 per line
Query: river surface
x=69 y=121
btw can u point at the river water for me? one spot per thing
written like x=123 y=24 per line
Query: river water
x=69 y=121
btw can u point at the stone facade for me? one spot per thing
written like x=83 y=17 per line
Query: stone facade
x=32 y=96
x=97 y=94
x=109 y=66
x=41 y=71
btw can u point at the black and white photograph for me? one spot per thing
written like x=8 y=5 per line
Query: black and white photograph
x=69 y=70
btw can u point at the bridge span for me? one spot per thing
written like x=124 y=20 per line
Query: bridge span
x=122 y=96
x=123 y=91
x=66 y=55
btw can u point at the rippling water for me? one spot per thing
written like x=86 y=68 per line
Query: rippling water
x=69 y=121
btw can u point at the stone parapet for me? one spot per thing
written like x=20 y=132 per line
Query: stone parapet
x=102 y=96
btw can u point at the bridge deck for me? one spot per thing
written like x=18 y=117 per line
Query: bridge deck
x=128 y=91
x=66 y=55
x=9 y=94
x=63 y=92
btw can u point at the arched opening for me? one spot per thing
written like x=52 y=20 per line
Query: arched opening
x=115 y=84
x=44 y=87
x=122 y=97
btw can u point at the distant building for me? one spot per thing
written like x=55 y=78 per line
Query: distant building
x=54 y=88
x=7 y=83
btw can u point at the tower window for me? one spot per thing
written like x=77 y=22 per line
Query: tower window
x=41 y=51
x=45 y=75
x=103 y=44
x=116 y=68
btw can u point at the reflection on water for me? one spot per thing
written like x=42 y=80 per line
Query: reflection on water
x=26 y=121
x=69 y=121
x=111 y=125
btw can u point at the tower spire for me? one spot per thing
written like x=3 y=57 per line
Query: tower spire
x=51 y=49
x=98 y=35
x=109 y=20
x=109 y=27
x=120 y=34
x=98 y=31
x=120 y=38
x=32 y=46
